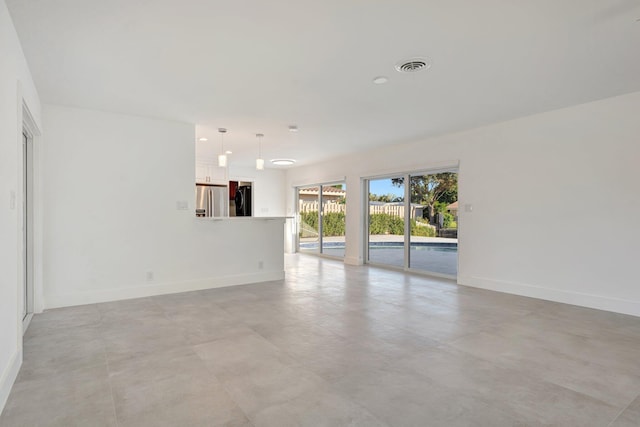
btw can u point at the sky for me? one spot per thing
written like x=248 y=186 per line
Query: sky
x=381 y=187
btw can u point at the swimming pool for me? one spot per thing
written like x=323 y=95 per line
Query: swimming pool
x=430 y=246
x=436 y=257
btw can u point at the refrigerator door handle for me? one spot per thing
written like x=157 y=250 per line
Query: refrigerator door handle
x=210 y=200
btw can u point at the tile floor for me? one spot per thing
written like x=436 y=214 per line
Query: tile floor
x=331 y=345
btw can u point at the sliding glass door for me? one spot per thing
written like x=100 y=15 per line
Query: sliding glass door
x=434 y=228
x=321 y=219
x=333 y=214
x=414 y=228
x=309 y=220
x=386 y=221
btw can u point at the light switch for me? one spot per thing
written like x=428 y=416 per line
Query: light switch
x=12 y=200
x=468 y=207
x=182 y=205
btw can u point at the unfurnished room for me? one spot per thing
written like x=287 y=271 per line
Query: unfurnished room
x=337 y=213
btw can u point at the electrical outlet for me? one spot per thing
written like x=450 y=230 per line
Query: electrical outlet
x=260 y=265
x=182 y=205
x=149 y=276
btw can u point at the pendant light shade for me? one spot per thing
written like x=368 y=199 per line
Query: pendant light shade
x=222 y=157
x=259 y=160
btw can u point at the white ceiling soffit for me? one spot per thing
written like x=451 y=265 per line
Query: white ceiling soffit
x=259 y=66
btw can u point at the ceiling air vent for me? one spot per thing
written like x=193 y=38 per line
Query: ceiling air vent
x=412 y=65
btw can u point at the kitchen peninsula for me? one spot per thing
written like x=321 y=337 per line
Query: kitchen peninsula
x=252 y=249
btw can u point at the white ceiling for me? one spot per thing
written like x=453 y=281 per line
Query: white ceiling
x=259 y=66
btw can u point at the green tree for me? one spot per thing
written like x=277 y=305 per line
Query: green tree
x=430 y=189
x=385 y=198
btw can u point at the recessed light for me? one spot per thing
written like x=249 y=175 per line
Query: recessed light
x=380 y=80
x=203 y=139
x=293 y=128
x=283 y=162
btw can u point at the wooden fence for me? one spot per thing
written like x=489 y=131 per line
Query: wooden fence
x=388 y=208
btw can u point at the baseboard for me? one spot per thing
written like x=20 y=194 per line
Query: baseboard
x=616 y=305
x=353 y=261
x=9 y=377
x=146 y=290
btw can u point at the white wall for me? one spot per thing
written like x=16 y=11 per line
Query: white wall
x=555 y=201
x=111 y=186
x=16 y=87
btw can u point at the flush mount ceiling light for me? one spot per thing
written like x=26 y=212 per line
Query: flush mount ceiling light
x=293 y=128
x=259 y=160
x=380 y=80
x=283 y=162
x=228 y=152
x=222 y=157
x=203 y=139
x=413 y=65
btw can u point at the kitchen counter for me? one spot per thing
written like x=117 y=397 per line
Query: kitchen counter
x=244 y=218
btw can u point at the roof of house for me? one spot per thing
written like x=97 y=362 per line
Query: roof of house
x=326 y=189
x=453 y=205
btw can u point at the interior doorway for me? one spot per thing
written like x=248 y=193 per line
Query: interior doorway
x=27 y=227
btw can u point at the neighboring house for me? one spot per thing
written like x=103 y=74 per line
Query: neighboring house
x=329 y=193
x=453 y=210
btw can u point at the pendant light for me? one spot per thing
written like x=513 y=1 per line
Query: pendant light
x=259 y=160
x=222 y=157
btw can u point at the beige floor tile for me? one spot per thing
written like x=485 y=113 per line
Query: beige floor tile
x=630 y=417
x=62 y=350
x=401 y=398
x=329 y=345
x=513 y=390
x=611 y=384
x=61 y=319
x=317 y=408
x=75 y=398
x=171 y=388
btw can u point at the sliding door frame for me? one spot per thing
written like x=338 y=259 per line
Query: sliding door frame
x=320 y=217
x=407 y=217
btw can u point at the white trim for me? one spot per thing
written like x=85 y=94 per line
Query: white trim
x=435 y=274
x=140 y=291
x=363 y=232
x=26 y=121
x=598 y=302
x=25 y=323
x=321 y=182
x=9 y=377
x=437 y=167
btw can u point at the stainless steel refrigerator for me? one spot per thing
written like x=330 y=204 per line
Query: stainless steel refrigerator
x=212 y=200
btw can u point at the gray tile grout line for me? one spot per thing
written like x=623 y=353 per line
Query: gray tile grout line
x=226 y=390
x=623 y=410
x=106 y=358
